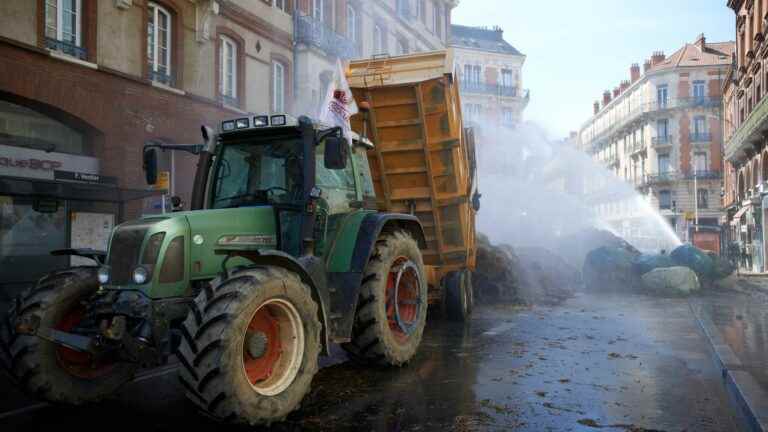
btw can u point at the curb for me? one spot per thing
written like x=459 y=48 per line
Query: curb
x=744 y=393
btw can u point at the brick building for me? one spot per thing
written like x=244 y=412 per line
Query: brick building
x=491 y=72
x=745 y=125
x=661 y=131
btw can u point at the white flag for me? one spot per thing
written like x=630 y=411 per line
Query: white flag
x=339 y=104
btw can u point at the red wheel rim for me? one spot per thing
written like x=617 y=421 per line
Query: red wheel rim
x=273 y=347
x=403 y=298
x=76 y=363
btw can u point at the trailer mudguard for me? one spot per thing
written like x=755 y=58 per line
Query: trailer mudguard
x=345 y=282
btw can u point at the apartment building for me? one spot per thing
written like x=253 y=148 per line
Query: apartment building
x=491 y=73
x=745 y=124
x=661 y=131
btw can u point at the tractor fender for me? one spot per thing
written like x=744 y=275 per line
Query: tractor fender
x=370 y=230
x=310 y=269
x=346 y=284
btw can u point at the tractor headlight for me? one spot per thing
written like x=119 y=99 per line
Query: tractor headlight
x=103 y=274
x=140 y=275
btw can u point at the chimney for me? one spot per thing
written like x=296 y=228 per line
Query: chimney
x=701 y=41
x=646 y=66
x=624 y=86
x=657 y=58
x=596 y=107
x=616 y=92
x=606 y=97
x=634 y=72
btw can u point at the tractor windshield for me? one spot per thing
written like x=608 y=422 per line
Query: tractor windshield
x=257 y=173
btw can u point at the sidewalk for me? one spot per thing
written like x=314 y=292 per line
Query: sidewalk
x=735 y=321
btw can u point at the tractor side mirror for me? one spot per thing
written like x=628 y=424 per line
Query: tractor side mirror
x=150 y=165
x=336 y=153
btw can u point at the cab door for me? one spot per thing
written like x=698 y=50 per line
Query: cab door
x=337 y=200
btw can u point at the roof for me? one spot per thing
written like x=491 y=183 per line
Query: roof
x=699 y=53
x=481 y=38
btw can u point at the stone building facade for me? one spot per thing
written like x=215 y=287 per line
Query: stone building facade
x=491 y=73
x=746 y=136
x=661 y=131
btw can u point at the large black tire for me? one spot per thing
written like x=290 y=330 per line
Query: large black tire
x=213 y=352
x=45 y=370
x=374 y=338
x=459 y=298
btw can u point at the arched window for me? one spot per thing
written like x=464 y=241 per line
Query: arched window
x=159 y=46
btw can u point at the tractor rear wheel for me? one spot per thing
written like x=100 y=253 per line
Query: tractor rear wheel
x=459 y=297
x=392 y=308
x=250 y=346
x=53 y=372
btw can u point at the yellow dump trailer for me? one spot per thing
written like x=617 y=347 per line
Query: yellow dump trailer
x=423 y=161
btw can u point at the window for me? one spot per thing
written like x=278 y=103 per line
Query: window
x=662 y=131
x=379 y=40
x=508 y=116
x=698 y=90
x=422 y=6
x=228 y=71
x=702 y=198
x=159 y=44
x=661 y=95
x=282 y=5
x=506 y=78
x=437 y=15
x=402 y=47
x=699 y=125
x=63 y=27
x=278 y=87
x=663 y=164
x=404 y=9
x=473 y=112
x=665 y=200
x=318 y=9
x=351 y=23
x=700 y=162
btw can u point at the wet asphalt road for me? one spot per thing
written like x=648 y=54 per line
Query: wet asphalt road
x=595 y=363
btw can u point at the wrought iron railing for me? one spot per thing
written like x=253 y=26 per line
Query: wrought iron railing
x=162 y=78
x=701 y=137
x=492 y=89
x=620 y=118
x=313 y=32
x=229 y=100
x=664 y=177
x=661 y=140
x=705 y=175
x=66 y=48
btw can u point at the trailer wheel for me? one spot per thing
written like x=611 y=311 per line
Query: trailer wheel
x=49 y=371
x=250 y=346
x=459 y=298
x=392 y=308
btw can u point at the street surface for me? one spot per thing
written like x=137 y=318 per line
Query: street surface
x=595 y=363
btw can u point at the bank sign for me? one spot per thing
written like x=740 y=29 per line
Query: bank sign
x=37 y=164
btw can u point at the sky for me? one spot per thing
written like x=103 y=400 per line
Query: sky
x=576 y=49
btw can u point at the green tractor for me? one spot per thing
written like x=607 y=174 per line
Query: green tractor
x=282 y=255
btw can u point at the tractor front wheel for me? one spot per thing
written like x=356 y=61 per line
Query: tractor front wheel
x=392 y=308
x=250 y=346
x=53 y=372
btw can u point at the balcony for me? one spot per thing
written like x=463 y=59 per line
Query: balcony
x=661 y=141
x=66 y=48
x=492 y=89
x=660 y=178
x=637 y=148
x=315 y=33
x=620 y=119
x=701 y=137
x=705 y=175
x=748 y=132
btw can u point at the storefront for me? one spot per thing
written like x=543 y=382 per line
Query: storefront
x=52 y=196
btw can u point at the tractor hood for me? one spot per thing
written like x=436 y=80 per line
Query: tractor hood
x=172 y=250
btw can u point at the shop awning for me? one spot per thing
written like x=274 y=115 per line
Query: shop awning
x=71 y=190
